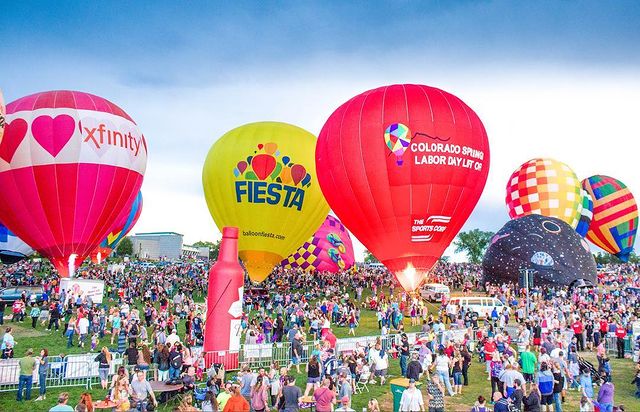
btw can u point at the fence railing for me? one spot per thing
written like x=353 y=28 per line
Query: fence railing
x=611 y=344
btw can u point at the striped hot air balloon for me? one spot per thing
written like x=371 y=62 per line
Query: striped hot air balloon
x=615 y=215
x=585 y=214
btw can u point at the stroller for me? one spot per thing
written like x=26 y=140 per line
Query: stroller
x=586 y=365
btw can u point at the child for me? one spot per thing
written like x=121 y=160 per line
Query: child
x=94 y=341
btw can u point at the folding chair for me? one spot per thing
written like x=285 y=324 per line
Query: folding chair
x=362 y=382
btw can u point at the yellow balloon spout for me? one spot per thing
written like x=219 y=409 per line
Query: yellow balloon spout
x=259 y=263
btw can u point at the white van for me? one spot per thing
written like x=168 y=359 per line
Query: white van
x=480 y=305
x=433 y=292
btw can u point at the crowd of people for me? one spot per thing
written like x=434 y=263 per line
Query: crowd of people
x=532 y=355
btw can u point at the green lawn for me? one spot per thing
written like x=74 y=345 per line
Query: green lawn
x=26 y=337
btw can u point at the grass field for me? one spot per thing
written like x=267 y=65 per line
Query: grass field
x=26 y=337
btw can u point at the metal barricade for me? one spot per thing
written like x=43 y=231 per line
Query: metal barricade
x=62 y=373
x=611 y=344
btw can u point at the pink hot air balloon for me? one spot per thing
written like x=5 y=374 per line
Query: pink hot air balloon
x=328 y=250
x=71 y=165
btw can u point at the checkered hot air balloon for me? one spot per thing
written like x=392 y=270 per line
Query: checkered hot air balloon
x=328 y=250
x=545 y=187
x=615 y=215
x=585 y=214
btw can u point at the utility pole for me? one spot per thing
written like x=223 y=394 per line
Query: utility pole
x=526 y=279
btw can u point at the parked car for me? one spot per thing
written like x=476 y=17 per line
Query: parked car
x=10 y=295
x=479 y=305
x=433 y=292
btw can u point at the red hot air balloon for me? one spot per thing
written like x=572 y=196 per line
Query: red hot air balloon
x=402 y=167
x=71 y=165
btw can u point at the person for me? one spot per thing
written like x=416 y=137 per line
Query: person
x=62 y=406
x=411 y=400
x=121 y=392
x=344 y=388
x=35 y=314
x=380 y=360
x=85 y=403
x=518 y=394
x=43 y=370
x=586 y=383
x=186 y=404
x=404 y=354
x=532 y=402
x=131 y=354
x=325 y=397
x=104 y=364
x=223 y=396
x=344 y=405
x=141 y=390
x=500 y=403
x=27 y=366
x=373 y=405
x=605 y=396
x=414 y=368
x=480 y=405
x=175 y=361
x=436 y=394
x=621 y=334
x=161 y=357
x=291 y=393
x=259 y=398
x=456 y=371
x=246 y=380
x=237 y=402
x=296 y=352
x=8 y=344
x=558 y=387
x=313 y=375
x=545 y=384
x=442 y=364
x=586 y=405
x=210 y=404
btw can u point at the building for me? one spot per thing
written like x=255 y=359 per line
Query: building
x=157 y=245
x=195 y=252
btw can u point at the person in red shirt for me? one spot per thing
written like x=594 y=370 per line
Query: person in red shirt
x=578 y=329
x=621 y=333
x=489 y=348
x=604 y=327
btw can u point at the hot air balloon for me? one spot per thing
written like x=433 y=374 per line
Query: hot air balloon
x=545 y=187
x=405 y=206
x=615 y=215
x=12 y=248
x=2 y=116
x=585 y=215
x=328 y=250
x=550 y=247
x=121 y=229
x=71 y=164
x=260 y=177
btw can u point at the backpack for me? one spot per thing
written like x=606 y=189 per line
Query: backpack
x=176 y=361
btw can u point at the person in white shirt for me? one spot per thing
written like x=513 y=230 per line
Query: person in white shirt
x=173 y=338
x=83 y=329
x=380 y=362
x=411 y=400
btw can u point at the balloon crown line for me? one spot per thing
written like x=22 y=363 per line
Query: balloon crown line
x=267 y=162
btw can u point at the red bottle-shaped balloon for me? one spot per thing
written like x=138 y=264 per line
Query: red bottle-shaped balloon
x=224 y=304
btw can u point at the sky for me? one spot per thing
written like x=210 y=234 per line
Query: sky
x=548 y=79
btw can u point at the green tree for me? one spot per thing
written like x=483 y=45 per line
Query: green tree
x=214 y=248
x=369 y=258
x=125 y=247
x=473 y=243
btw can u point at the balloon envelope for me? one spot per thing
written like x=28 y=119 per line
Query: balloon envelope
x=2 y=116
x=550 y=247
x=615 y=215
x=71 y=164
x=12 y=248
x=402 y=167
x=121 y=229
x=585 y=215
x=261 y=178
x=545 y=187
x=328 y=250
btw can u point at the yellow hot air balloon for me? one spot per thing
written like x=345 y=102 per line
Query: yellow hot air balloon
x=261 y=178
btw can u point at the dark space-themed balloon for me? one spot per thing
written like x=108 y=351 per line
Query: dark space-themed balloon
x=548 y=246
